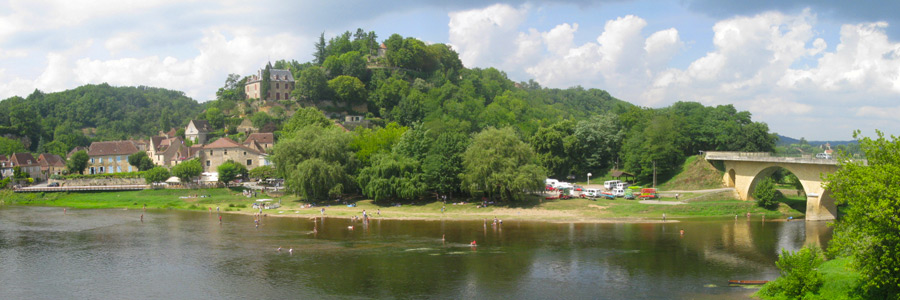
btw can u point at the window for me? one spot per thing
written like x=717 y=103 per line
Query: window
x=92 y=170
x=277 y=85
x=245 y=152
x=207 y=163
x=101 y=170
x=286 y=96
x=119 y=169
x=129 y=169
x=249 y=162
x=277 y=96
x=226 y=152
x=100 y=160
x=118 y=158
x=210 y=152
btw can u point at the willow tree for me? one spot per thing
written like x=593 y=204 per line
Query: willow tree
x=499 y=165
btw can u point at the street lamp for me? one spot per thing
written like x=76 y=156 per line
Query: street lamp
x=589 y=178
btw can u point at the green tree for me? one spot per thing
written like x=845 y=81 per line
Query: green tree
x=596 y=143
x=312 y=84
x=265 y=82
x=157 y=174
x=18 y=174
x=368 y=142
x=765 y=193
x=868 y=230
x=799 y=275
x=188 y=170
x=656 y=144
x=231 y=170
x=55 y=147
x=348 y=89
x=306 y=116
x=141 y=161
x=443 y=166
x=388 y=94
x=351 y=64
x=553 y=146
x=392 y=176
x=260 y=119
x=320 y=53
x=499 y=165
x=316 y=162
x=78 y=162
x=233 y=90
x=215 y=117
x=262 y=172
x=9 y=146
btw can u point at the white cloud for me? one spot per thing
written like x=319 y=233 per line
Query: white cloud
x=478 y=34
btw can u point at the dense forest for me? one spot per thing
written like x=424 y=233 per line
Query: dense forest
x=439 y=128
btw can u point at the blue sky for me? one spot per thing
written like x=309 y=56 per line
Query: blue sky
x=813 y=69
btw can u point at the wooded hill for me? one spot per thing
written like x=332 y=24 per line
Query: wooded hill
x=429 y=112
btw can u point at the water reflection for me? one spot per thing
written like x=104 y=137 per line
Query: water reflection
x=173 y=254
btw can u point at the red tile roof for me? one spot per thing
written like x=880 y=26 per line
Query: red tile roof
x=112 y=148
x=262 y=138
x=22 y=159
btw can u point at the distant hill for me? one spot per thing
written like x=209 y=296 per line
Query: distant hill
x=784 y=141
x=105 y=112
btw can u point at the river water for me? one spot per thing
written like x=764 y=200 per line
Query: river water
x=111 y=254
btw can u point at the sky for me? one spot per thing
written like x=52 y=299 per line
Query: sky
x=812 y=69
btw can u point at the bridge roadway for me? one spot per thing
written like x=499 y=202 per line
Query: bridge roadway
x=743 y=170
x=92 y=188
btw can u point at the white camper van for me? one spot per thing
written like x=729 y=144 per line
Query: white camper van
x=610 y=185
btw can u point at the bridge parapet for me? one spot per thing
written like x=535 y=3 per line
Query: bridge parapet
x=768 y=157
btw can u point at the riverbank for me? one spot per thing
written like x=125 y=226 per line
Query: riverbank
x=535 y=208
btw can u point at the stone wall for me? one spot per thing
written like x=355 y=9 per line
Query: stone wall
x=98 y=181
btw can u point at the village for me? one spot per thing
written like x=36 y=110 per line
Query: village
x=108 y=159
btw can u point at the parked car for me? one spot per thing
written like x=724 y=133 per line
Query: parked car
x=53 y=184
x=824 y=156
x=592 y=193
x=619 y=192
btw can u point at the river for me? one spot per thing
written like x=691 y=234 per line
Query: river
x=112 y=254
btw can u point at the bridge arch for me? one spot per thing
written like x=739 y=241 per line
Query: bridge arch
x=769 y=171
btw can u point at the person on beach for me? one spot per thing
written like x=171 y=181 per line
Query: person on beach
x=378 y=212
x=323 y=211
x=442 y=209
x=220 y=219
x=682 y=232
x=664 y=217
x=64 y=210
x=142 y=218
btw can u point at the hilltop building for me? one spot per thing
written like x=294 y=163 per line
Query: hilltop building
x=281 y=83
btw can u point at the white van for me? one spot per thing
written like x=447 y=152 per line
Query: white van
x=564 y=185
x=823 y=156
x=619 y=192
x=609 y=185
x=592 y=193
x=551 y=182
x=622 y=186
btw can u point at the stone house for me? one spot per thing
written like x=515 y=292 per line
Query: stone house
x=281 y=84
x=167 y=151
x=110 y=157
x=225 y=149
x=262 y=142
x=51 y=164
x=26 y=162
x=246 y=127
x=197 y=130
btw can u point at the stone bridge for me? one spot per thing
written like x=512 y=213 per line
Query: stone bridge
x=743 y=170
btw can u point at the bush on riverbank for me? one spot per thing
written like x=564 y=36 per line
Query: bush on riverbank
x=839 y=281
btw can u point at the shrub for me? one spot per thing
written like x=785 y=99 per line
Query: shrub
x=799 y=274
x=765 y=193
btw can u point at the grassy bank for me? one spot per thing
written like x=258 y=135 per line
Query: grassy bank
x=839 y=282
x=535 y=208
